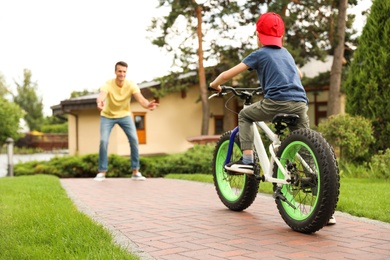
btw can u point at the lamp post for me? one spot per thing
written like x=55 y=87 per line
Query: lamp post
x=10 y=153
x=201 y=70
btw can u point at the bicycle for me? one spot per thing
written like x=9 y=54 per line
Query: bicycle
x=302 y=167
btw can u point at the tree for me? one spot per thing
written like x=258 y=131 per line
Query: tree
x=85 y=92
x=28 y=100
x=3 y=86
x=10 y=115
x=337 y=66
x=367 y=85
x=228 y=31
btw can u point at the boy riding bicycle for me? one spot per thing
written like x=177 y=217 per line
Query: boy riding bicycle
x=281 y=82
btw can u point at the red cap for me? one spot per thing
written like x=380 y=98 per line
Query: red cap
x=270 y=28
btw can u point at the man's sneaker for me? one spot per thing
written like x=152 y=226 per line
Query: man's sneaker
x=240 y=167
x=138 y=177
x=100 y=177
x=332 y=220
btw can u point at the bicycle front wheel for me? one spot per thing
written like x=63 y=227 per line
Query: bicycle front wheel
x=309 y=200
x=236 y=191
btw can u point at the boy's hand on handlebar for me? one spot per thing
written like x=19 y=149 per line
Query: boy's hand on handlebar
x=217 y=88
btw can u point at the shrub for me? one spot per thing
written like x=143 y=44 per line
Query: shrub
x=352 y=134
x=196 y=160
x=380 y=165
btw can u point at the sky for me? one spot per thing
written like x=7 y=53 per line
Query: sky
x=73 y=45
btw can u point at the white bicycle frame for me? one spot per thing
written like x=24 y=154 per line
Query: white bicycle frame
x=265 y=162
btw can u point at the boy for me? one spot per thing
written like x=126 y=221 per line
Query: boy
x=280 y=78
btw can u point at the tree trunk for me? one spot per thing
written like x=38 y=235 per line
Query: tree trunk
x=338 y=58
x=202 y=75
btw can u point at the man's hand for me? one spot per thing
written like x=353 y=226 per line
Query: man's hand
x=100 y=105
x=153 y=105
x=100 y=100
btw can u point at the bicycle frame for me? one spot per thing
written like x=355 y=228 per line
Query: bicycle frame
x=265 y=162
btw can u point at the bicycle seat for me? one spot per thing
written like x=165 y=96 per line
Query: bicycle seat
x=288 y=119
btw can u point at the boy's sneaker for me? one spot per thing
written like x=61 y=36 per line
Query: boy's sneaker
x=138 y=177
x=332 y=220
x=100 y=177
x=240 y=167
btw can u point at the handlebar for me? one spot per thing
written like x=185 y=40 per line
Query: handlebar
x=243 y=93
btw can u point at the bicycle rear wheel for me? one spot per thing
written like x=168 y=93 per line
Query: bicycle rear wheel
x=309 y=200
x=236 y=191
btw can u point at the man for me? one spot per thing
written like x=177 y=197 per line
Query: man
x=114 y=103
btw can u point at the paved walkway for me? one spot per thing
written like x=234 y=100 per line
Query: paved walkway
x=175 y=219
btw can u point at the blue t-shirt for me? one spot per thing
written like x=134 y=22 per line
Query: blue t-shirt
x=277 y=73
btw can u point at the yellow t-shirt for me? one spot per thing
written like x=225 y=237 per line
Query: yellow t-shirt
x=117 y=103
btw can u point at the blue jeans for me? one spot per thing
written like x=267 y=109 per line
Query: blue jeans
x=128 y=126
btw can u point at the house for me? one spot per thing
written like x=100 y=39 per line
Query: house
x=173 y=127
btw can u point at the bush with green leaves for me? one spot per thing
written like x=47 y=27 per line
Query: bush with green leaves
x=380 y=165
x=352 y=134
x=197 y=159
x=55 y=128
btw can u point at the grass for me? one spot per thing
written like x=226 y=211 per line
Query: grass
x=39 y=221
x=367 y=198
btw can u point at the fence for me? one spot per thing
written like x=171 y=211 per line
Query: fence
x=46 y=142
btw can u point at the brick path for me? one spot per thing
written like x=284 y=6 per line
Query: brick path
x=175 y=219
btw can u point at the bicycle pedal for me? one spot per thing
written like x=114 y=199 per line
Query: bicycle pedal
x=279 y=196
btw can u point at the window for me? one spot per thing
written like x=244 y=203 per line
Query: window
x=218 y=121
x=139 y=121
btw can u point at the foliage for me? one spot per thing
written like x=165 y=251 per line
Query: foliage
x=10 y=115
x=63 y=167
x=352 y=134
x=226 y=24
x=195 y=160
x=39 y=221
x=55 y=125
x=380 y=165
x=85 y=92
x=367 y=86
x=55 y=128
x=28 y=100
x=3 y=86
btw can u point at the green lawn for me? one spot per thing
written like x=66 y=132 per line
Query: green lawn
x=39 y=221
